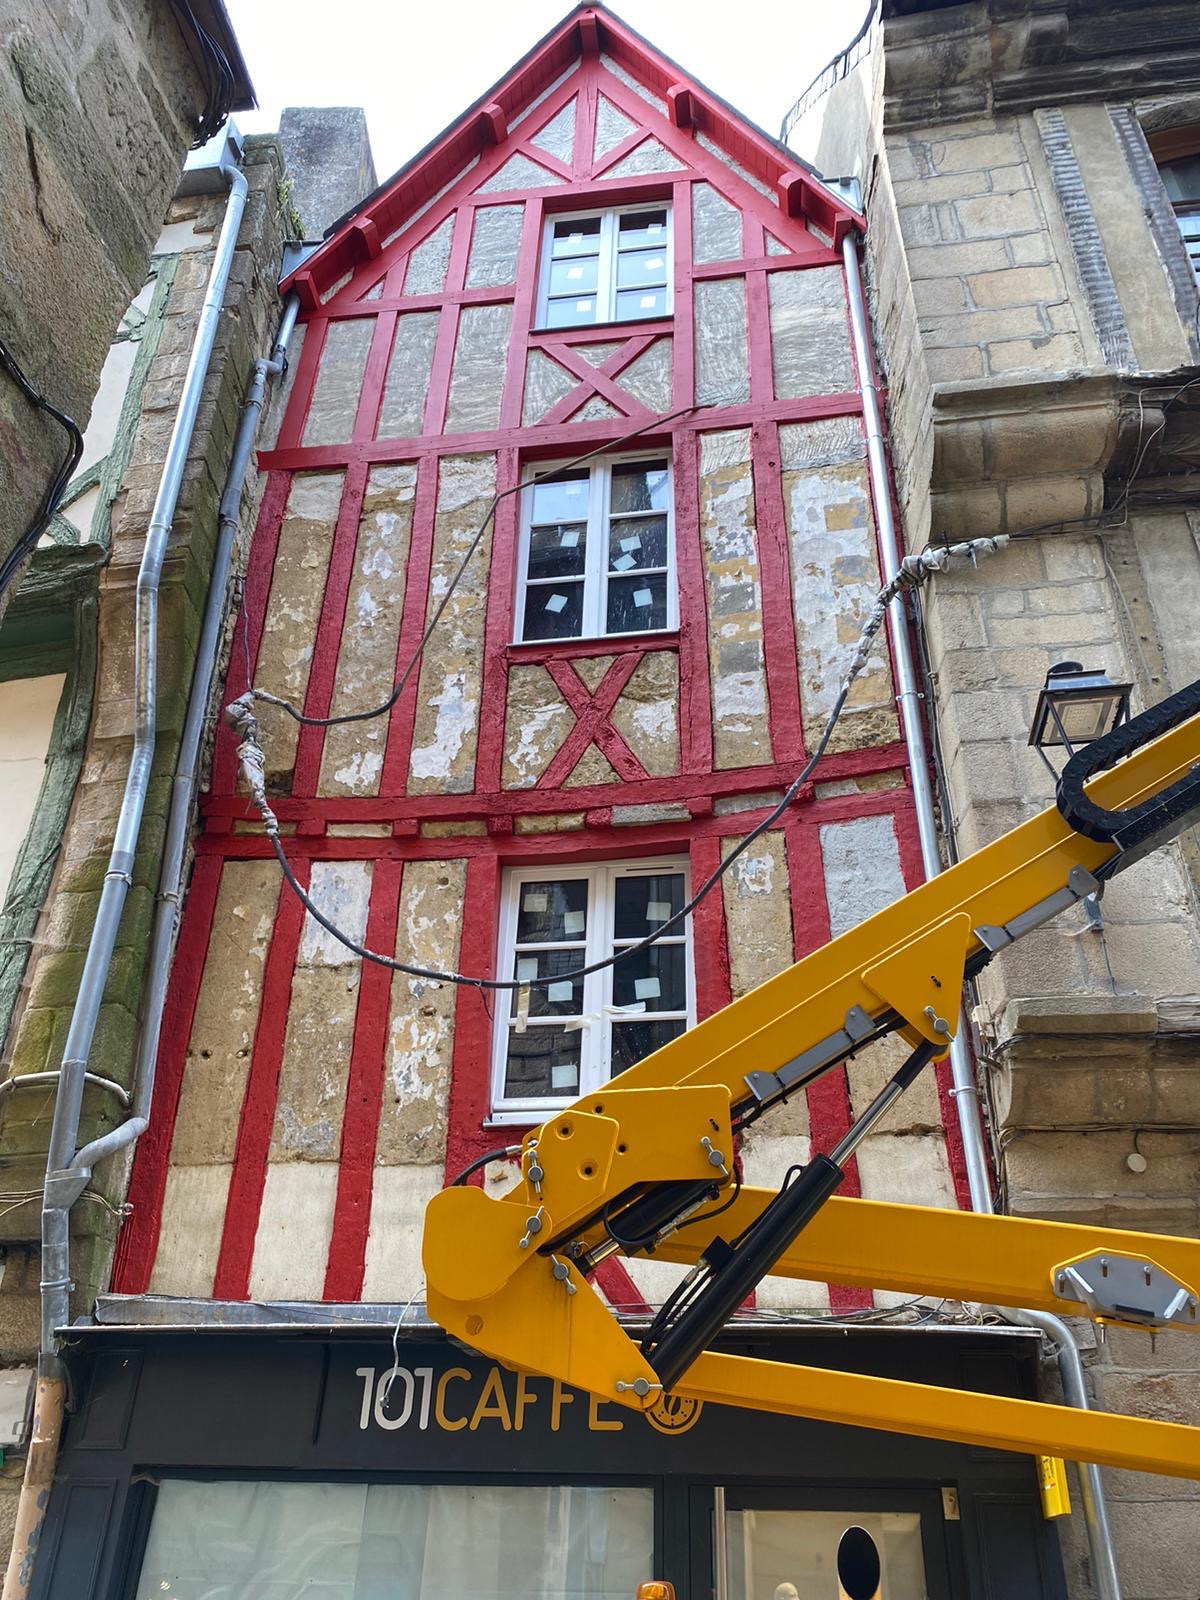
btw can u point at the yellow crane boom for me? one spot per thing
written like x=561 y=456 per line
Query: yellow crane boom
x=624 y=1167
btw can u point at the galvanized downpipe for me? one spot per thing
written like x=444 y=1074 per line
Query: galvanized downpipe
x=183 y=788
x=965 y=1090
x=67 y=1175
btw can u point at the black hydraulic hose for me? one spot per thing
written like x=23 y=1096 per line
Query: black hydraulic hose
x=733 y=1280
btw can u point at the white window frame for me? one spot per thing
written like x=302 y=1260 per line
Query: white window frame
x=593 y=623
x=606 y=270
x=596 y=1029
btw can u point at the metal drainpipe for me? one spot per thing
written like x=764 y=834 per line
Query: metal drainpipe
x=66 y=1176
x=166 y=911
x=965 y=1090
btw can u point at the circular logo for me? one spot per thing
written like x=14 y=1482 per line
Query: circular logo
x=674 y=1413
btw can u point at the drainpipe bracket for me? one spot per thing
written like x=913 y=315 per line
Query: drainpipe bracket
x=63 y=1188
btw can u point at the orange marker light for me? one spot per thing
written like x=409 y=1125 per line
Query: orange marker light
x=656 y=1590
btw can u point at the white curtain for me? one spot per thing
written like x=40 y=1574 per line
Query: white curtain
x=331 y=1541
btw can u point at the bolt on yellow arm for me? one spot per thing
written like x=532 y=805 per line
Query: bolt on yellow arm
x=643 y=1165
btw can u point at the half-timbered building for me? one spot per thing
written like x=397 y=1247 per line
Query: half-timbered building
x=573 y=456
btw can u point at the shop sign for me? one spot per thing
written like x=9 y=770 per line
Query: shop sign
x=493 y=1399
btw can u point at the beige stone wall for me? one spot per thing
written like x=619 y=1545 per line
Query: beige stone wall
x=1089 y=1035
x=1018 y=266
x=96 y=109
x=835 y=578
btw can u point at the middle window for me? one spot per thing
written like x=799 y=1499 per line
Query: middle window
x=597 y=551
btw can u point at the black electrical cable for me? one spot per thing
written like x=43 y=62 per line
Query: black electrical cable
x=625 y=1244
x=28 y=541
x=219 y=75
x=401 y=682
x=432 y=975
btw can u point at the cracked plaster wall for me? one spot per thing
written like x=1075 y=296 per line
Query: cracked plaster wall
x=352 y=759
x=835 y=578
x=737 y=671
x=447 y=722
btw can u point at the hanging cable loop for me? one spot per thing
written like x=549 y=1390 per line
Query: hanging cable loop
x=241 y=718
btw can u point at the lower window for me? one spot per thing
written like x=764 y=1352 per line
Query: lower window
x=354 y=1541
x=558 y=1041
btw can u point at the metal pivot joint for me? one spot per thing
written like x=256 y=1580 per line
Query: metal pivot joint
x=1117 y=1288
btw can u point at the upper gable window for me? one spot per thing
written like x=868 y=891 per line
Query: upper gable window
x=606 y=266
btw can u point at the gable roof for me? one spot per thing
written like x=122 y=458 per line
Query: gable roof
x=587 y=32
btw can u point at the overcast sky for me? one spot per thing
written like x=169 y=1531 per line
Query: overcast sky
x=415 y=67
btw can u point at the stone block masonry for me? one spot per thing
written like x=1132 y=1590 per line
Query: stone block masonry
x=96 y=112
x=1025 y=273
x=991 y=292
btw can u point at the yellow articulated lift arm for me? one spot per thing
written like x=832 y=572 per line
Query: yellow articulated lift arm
x=646 y=1165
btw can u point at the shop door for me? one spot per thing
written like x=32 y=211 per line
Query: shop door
x=782 y=1543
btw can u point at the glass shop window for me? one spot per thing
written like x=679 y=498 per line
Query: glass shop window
x=792 y=1555
x=556 y=1042
x=606 y=266
x=357 y=1541
x=1181 y=179
x=597 y=551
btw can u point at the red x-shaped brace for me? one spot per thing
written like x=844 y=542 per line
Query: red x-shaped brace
x=592 y=714
x=598 y=380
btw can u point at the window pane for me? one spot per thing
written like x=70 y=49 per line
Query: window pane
x=274 y=1541
x=634 y=303
x=636 y=267
x=654 y=978
x=570 y=313
x=643 y=904
x=632 y=1041
x=553 y=911
x=563 y=999
x=641 y=230
x=1182 y=178
x=557 y=552
x=563 y=498
x=637 y=605
x=553 y=611
x=636 y=542
x=574 y=277
x=578 y=237
x=542 y=1061
x=799 y=1549
x=639 y=486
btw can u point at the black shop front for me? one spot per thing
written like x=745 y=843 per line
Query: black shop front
x=294 y=1463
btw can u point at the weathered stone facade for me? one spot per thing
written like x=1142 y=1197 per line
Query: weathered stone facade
x=1038 y=340
x=98 y=104
x=62 y=905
